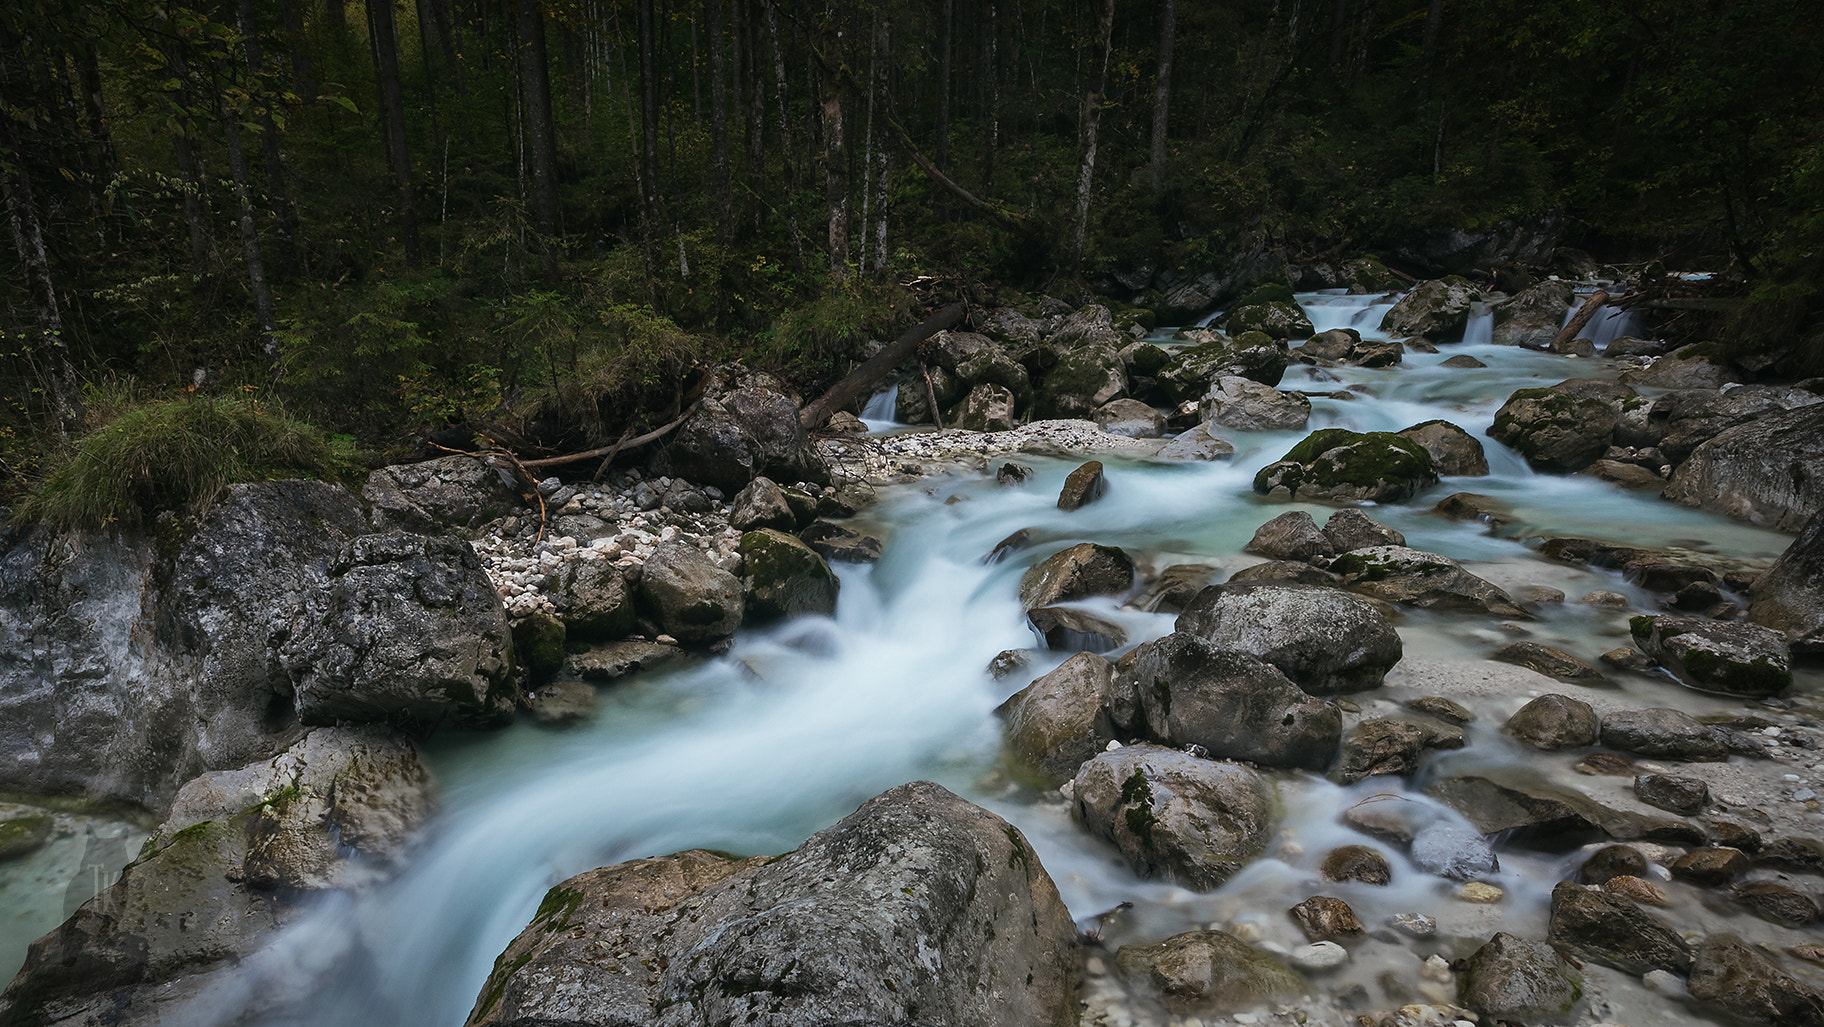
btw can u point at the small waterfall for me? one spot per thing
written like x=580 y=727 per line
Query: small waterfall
x=1607 y=324
x=883 y=405
x=1480 y=331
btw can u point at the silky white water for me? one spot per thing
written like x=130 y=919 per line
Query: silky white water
x=753 y=751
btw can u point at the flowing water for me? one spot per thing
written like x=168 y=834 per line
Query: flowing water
x=753 y=751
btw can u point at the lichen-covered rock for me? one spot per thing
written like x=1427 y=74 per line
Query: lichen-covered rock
x=1717 y=656
x=1270 y=310
x=1174 y=816
x=1736 y=979
x=1350 y=528
x=1686 y=796
x=1392 y=745
x=1555 y=430
x=1083 y=379
x=1326 y=916
x=1613 y=931
x=1209 y=972
x=917 y=906
x=1790 y=596
x=1454 y=451
x=688 y=596
x=1769 y=472
x=1326 y=640
x=1555 y=722
x=1191 y=373
x=1425 y=580
x=1511 y=978
x=538 y=645
x=1060 y=721
x=987 y=407
x=1247 y=405
x=1338 y=465
x=1437 y=309
x=1234 y=705
x=460 y=492
x=1081 y=571
x=1533 y=316
x=1356 y=863
x=1292 y=535
x=737 y=435
x=411 y=630
x=783 y=577
x=601 y=606
x=232 y=863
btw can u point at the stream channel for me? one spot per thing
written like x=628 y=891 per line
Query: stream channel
x=788 y=732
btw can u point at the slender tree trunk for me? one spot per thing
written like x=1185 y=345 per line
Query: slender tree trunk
x=880 y=149
x=836 y=181
x=649 y=123
x=392 y=103
x=991 y=85
x=250 y=239
x=785 y=133
x=718 y=124
x=277 y=192
x=1162 y=90
x=1092 y=115
x=196 y=202
x=1429 y=52
x=297 y=50
x=943 y=84
x=62 y=394
x=536 y=87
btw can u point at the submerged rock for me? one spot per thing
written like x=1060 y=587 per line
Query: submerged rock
x=1437 y=309
x=916 y=905
x=1454 y=451
x=1209 y=971
x=1326 y=640
x=1174 y=816
x=1553 y=663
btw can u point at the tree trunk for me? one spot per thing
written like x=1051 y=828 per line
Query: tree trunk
x=718 y=124
x=649 y=124
x=881 y=85
x=818 y=411
x=836 y=180
x=392 y=103
x=1579 y=319
x=785 y=134
x=943 y=84
x=297 y=50
x=250 y=240
x=536 y=87
x=1162 y=90
x=991 y=86
x=62 y=394
x=1092 y=115
x=196 y=203
x=277 y=192
x=1428 y=53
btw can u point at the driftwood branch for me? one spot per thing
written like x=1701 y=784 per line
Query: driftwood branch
x=818 y=411
x=1581 y=318
x=937 y=416
x=624 y=444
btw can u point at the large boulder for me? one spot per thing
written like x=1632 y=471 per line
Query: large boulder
x=1745 y=985
x=1555 y=721
x=411 y=630
x=1717 y=656
x=1247 y=405
x=1338 y=465
x=1270 y=310
x=1084 y=378
x=1790 y=596
x=781 y=576
x=1326 y=640
x=1533 y=316
x=1234 y=705
x=1412 y=577
x=1437 y=309
x=129 y=665
x=1695 y=416
x=917 y=907
x=600 y=606
x=1292 y=535
x=1613 y=931
x=688 y=596
x=1769 y=472
x=1350 y=528
x=1191 y=373
x=1174 y=816
x=1060 y=721
x=1555 y=429
x=1512 y=978
x=1661 y=732
x=1083 y=570
x=451 y=492
x=987 y=407
x=733 y=437
x=239 y=856
x=1454 y=451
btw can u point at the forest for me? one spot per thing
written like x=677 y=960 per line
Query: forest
x=309 y=233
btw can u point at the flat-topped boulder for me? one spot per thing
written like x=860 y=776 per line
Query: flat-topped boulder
x=1325 y=639
x=1768 y=472
x=1233 y=705
x=1341 y=466
x=1413 y=577
x=1174 y=816
x=1717 y=656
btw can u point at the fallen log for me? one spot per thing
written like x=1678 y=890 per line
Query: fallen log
x=818 y=411
x=1578 y=320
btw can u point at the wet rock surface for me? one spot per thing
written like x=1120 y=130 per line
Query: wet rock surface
x=1175 y=817
x=1326 y=640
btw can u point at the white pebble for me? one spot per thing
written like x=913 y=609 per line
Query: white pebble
x=1435 y=969
x=1320 y=955
x=1664 y=983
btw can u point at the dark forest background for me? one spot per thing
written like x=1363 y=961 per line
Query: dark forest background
x=382 y=218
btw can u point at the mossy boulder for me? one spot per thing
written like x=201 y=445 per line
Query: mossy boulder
x=688 y=596
x=1339 y=465
x=1084 y=378
x=1438 y=310
x=1554 y=429
x=1275 y=318
x=1174 y=816
x=538 y=644
x=1413 y=577
x=1532 y=317
x=22 y=836
x=784 y=577
x=1717 y=656
x=1191 y=373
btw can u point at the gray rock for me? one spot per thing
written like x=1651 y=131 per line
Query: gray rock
x=1470 y=506
x=1333 y=345
x=1129 y=417
x=1338 y=465
x=918 y=906
x=1194 y=370
x=838 y=544
x=1176 y=586
x=1444 y=709
x=1717 y=656
x=601 y=605
x=1676 y=371
x=1454 y=451
x=1198 y=443
x=411 y=630
x=737 y=435
x=1461 y=360
x=1246 y=405
x=1392 y=746
x=1294 y=571
x=561 y=702
x=783 y=577
x=1532 y=813
x=1438 y=310
x=1209 y=971
x=1292 y=535
x=1326 y=640
x=1533 y=316
x=451 y=492
x=1553 y=663
x=1511 y=978
x=1555 y=429
x=237 y=858
x=987 y=407
x=1452 y=851
x=1084 y=378
x=1789 y=597
x=1083 y=486
x=1066 y=629
x=1686 y=796
x=1412 y=577
x=1062 y=720
x=1079 y=572
x=1695 y=416
x=1769 y=471
x=1352 y=529
x=1555 y=722
x=1234 y=705
x=616 y=661
x=688 y=596
x=1174 y=816
x=1356 y=863
x=1613 y=931
x=1733 y=977
x=761 y=504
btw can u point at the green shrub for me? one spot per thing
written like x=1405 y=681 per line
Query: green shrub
x=632 y=363
x=175 y=455
x=815 y=342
